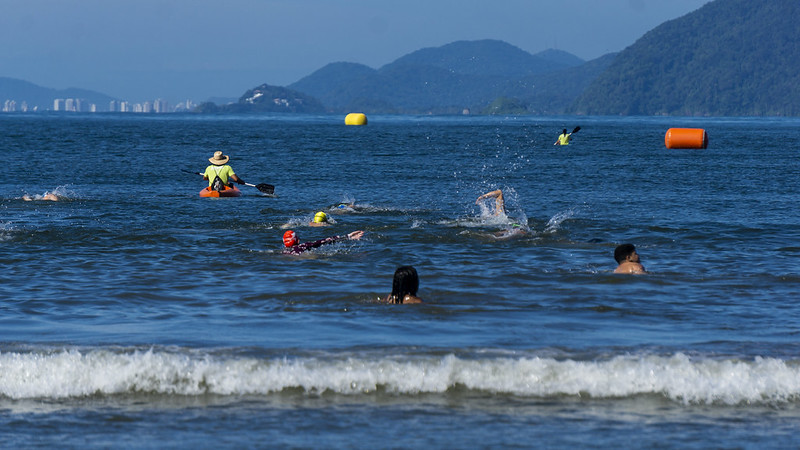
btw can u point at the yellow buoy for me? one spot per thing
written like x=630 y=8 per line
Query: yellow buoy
x=355 y=119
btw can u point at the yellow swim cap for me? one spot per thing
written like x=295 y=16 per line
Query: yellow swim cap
x=320 y=217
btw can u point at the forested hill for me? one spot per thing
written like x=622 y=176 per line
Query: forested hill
x=483 y=58
x=728 y=58
x=267 y=99
x=447 y=79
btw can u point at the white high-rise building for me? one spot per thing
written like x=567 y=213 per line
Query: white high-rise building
x=58 y=104
x=160 y=106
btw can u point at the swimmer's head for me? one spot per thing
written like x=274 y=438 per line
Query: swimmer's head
x=623 y=251
x=320 y=217
x=289 y=238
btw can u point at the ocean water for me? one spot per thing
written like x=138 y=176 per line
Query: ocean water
x=135 y=314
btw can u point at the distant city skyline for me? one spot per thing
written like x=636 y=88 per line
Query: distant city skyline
x=201 y=49
x=158 y=106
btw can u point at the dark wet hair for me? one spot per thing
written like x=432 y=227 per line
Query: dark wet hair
x=406 y=282
x=622 y=251
x=565 y=131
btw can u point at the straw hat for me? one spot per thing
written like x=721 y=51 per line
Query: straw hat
x=218 y=159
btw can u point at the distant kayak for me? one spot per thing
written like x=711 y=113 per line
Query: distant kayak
x=231 y=191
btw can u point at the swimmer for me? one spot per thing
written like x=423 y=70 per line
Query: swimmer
x=515 y=228
x=294 y=247
x=628 y=260
x=320 y=220
x=499 y=204
x=513 y=231
x=404 y=286
x=343 y=208
x=47 y=196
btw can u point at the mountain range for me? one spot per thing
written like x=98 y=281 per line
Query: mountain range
x=41 y=98
x=451 y=79
x=448 y=79
x=728 y=58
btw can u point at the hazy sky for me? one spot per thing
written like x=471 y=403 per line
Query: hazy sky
x=140 y=50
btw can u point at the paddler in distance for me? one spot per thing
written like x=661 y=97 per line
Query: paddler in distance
x=219 y=172
x=565 y=137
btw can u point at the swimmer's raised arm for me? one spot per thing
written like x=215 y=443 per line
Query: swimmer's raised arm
x=493 y=194
x=499 y=207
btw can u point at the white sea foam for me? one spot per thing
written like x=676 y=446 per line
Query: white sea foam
x=554 y=224
x=75 y=373
x=61 y=192
x=6 y=230
x=293 y=223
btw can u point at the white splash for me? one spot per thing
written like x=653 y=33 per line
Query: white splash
x=75 y=373
x=59 y=193
x=555 y=222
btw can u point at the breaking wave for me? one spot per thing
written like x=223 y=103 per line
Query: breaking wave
x=68 y=373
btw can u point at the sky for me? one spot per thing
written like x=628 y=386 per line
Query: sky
x=139 y=50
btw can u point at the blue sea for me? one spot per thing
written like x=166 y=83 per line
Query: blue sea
x=134 y=313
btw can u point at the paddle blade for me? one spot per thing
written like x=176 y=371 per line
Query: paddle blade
x=266 y=188
x=576 y=129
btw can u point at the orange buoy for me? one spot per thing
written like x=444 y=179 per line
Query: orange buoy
x=686 y=138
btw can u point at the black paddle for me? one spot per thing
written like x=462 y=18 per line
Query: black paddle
x=263 y=187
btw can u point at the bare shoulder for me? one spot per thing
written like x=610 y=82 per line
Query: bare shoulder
x=411 y=299
x=407 y=299
x=630 y=268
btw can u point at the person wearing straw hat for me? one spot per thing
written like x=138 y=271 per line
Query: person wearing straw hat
x=219 y=172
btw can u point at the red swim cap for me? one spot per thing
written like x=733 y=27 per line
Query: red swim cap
x=289 y=238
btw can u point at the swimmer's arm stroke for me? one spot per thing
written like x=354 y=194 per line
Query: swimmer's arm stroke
x=494 y=194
